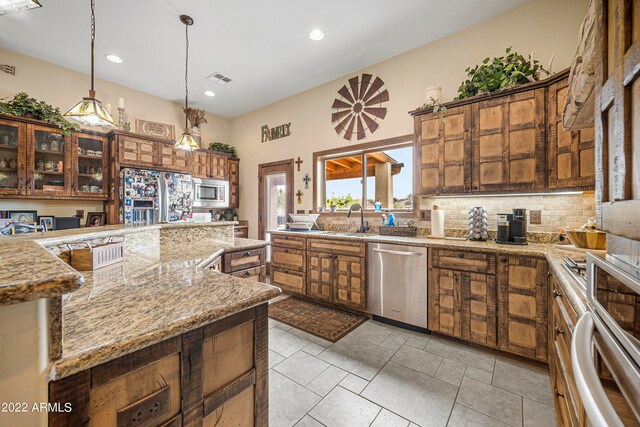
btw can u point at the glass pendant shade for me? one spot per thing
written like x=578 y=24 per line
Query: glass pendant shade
x=186 y=142
x=90 y=112
x=12 y=6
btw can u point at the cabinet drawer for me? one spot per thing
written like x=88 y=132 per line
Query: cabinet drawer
x=256 y=274
x=242 y=260
x=291 y=259
x=288 y=280
x=467 y=261
x=241 y=232
x=564 y=408
x=295 y=242
x=336 y=247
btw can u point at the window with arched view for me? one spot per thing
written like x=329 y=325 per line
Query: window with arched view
x=383 y=177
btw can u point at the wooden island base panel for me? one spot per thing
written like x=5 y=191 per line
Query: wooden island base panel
x=216 y=375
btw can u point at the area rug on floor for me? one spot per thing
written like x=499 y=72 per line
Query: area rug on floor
x=316 y=319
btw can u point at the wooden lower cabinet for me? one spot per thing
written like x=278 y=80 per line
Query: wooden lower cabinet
x=501 y=305
x=331 y=271
x=214 y=375
x=257 y=274
x=522 y=306
x=290 y=281
x=242 y=260
x=320 y=275
x=350 y=287
x=463 y=305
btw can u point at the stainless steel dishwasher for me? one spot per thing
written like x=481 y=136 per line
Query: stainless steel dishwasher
x=398 y=283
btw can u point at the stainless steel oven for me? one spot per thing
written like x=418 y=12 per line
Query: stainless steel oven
x=210 y=193
x=605 y=349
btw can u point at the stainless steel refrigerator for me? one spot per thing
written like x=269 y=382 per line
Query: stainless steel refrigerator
x=150 y=196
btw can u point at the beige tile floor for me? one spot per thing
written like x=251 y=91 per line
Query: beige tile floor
x=383 y=376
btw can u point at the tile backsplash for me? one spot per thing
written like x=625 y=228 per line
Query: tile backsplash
x=559 y=210
x=563 y=210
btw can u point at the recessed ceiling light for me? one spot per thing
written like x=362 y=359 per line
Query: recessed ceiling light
x=114 y=58
x=316 y=34
x=209 y=93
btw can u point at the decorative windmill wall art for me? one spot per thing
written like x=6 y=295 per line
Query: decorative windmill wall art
x=359 y=108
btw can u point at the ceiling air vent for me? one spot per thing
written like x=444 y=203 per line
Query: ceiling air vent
x=219 y=78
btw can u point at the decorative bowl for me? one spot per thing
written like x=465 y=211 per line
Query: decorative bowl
x=588 y=239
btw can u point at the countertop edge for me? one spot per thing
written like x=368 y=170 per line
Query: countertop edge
x=73 y=364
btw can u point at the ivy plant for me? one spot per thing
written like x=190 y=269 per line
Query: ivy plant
x=500 y=73
x=225 y=148
x=436 y=106
x=22 y=105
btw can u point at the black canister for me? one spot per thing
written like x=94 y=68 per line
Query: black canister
x=503 y=231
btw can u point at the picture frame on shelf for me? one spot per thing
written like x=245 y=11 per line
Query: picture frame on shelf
x=96 y=219
x=23 y=216
x=49 y=220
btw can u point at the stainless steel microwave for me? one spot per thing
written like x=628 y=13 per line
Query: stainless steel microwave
x=210 y=193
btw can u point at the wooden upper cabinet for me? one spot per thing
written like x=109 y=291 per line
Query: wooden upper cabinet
x=443 y=152
x=522 y=306
x=234 y=182
x=172 y=159
x=201 y=167
x=218 y=166
x=137 y=152
x=570 y=154
x=617 y=120
x=48 y=165
x=90 y=164
x=508 y=141
x=13 y=155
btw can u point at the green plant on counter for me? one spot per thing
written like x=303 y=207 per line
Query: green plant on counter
x=341 y=202
x=225 y=148
x=22 y=105
x=436 y=106
x=499 y=73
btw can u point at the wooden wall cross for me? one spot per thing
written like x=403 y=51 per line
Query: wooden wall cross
x=299 y=195
x=306 y=181
x=299 y=162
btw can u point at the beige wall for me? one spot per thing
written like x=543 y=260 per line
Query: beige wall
x=63 y=87
x=544 y=26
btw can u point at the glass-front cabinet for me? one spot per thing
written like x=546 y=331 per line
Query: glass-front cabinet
x=90 y=167
x=48 y=161
x=12 y=157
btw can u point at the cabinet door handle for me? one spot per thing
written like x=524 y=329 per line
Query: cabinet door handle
x=556 y=393
x=246 y=254
x=558 y=331
x=246 y=274
x=556 y=294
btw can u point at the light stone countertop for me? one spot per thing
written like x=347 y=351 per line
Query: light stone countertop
x=553 y=254
x=28 y=271
x=152 y=296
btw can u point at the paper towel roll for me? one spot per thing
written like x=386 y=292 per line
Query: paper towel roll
x=437 y=223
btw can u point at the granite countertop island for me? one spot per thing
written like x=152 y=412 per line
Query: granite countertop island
x=159 y=291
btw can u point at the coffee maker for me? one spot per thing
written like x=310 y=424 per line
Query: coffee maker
x=512 y=228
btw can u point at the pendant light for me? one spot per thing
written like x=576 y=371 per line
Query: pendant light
x=186 y=141
x=90 y=111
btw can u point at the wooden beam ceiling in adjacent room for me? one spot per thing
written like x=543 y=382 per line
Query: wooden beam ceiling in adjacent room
x=351 y=167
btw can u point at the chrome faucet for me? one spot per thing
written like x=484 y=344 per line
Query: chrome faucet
x=355 y=207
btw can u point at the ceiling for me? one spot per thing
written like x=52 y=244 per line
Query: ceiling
x=263 y=46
